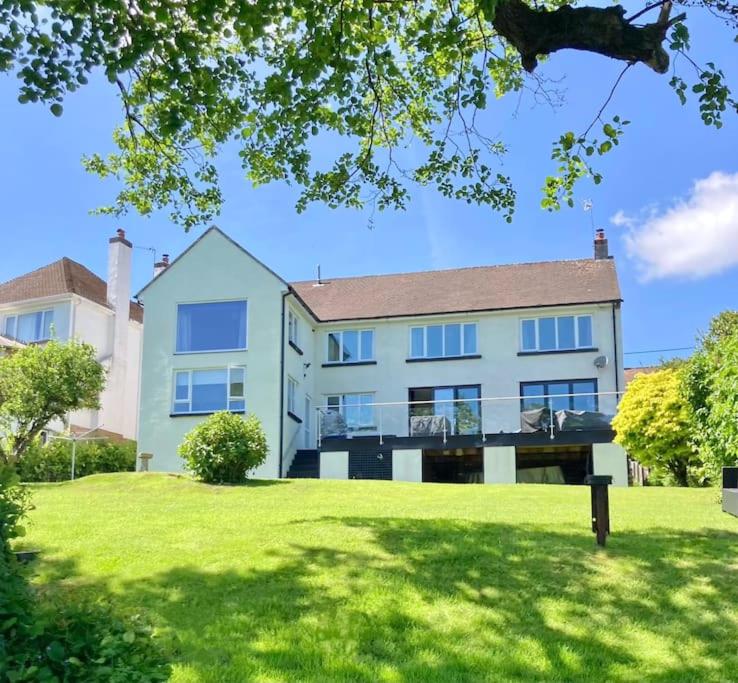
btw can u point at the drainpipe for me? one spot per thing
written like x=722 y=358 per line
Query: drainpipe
x=615 y=348
x=281 y=385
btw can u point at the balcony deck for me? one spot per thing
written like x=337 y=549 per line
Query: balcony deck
x=471 y=423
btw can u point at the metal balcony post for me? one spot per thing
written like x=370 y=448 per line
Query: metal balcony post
x=481 y=422
x=381 y=439
x=320 y=425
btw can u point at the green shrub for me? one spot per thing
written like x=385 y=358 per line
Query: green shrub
x=69 y=641
x=224 y=448
x=14 y=503
x=653 y=424
x=62 y=640
x=53 y=462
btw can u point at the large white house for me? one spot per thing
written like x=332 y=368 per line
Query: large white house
x=65 y=300
x=490 y=374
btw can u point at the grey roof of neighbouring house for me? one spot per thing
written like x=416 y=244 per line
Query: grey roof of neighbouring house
x=61 y=277
x=484 y=288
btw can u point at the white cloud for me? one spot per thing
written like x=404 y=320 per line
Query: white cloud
x=621 y=219
x=695 y=237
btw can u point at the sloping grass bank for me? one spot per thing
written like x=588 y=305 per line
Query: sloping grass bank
x=382 y=581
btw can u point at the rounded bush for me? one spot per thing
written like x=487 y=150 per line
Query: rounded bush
x=224 y=448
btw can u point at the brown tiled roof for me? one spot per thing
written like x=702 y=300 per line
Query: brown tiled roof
x=485 y=288
x=61 y=277
x=630 y=373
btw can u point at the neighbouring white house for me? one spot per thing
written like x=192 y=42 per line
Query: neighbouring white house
x=490 y=374
x=66 y=301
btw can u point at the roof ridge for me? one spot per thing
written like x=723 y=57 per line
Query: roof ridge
x=35 y=270
x=455 y=270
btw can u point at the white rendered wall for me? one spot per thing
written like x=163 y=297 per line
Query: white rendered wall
x=499 y=465
x=610 y=458
x=214 y=269
x=302 y=369
x=407 y=465
x=334 y=465
x=499 y=371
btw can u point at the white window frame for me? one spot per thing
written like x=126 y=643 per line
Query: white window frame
x=340 y=334
x=212 y=301
x=15 y=316
x=188 y=401
x=576 y=347
x=342 y=405
x=464 y=352
x=292 y=327
x=292 y=386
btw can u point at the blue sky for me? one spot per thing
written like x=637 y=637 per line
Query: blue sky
x=672 y=189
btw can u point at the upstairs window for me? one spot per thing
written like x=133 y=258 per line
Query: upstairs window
x=215 y=326
x=206 y=391
x=443 y=341
x=559 y=333
x=30 y=327
x=350 y=346
x=292 y=328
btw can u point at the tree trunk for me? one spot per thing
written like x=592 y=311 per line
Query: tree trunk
x=679 y=470
x=605 y=31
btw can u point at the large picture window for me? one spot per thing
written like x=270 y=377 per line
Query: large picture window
x=30 y=327
x=560 y=395
x=559 y=333
x=207 y=391
x=350 y=346
x=214 y=326
x=443 y=341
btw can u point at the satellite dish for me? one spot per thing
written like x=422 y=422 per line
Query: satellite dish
x=601 y=362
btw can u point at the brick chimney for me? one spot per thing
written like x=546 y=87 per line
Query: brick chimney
x=161 y=266
x=601 y=250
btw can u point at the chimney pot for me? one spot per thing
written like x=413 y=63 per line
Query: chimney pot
x=121 y=233
x=601 y=250
x=161 y=266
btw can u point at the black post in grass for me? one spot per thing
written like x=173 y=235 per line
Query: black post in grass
x=598 y=484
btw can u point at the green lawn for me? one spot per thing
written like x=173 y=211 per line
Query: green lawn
x=382 y=581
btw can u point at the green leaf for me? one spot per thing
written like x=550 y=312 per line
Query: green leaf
x=57 y=109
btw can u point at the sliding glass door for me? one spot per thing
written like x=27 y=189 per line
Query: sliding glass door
x=458 y=406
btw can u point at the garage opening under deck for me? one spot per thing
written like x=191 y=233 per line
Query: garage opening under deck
x=453 y=465
x=568 y=464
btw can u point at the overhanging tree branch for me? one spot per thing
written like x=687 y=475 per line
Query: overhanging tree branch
x=535 y=32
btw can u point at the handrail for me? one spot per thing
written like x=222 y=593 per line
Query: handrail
x=298 y=433
x=481 y=399
x=381 y=406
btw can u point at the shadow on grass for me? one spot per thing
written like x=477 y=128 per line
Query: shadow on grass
x=448 y=600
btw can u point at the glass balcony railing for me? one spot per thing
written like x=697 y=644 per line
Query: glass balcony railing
x=471 y=416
